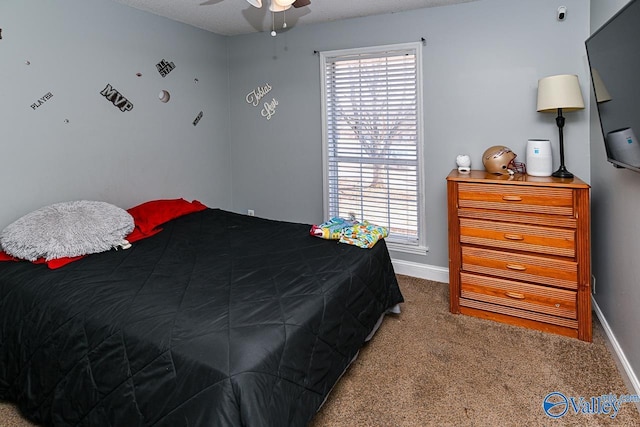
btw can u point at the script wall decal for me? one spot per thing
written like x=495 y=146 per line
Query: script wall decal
x=269 y=109
x=255 y=97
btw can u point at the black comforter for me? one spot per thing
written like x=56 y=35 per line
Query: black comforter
x=219 y=320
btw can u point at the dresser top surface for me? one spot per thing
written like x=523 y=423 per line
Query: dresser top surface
x=517 y=179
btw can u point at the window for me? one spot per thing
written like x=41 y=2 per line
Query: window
x=372 y=139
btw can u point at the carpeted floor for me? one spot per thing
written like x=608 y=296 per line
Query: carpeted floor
x=427 y=367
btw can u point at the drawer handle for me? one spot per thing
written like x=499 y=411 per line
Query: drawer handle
x=512 y=198
x=513 y=236
x=514 y=295
x=516 y=267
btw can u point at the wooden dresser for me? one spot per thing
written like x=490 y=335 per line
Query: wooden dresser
x=519 y=250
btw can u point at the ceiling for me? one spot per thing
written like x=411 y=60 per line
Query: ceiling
x=234 y=17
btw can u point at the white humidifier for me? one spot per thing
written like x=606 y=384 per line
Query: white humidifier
x=539 y=161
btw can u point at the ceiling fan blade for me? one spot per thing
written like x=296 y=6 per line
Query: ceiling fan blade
x=301 y=3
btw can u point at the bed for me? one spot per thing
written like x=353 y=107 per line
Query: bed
x=220 y=319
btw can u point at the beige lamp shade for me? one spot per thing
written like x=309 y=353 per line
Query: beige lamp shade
x=284 y=3
x=255 y=3
x=561 y=91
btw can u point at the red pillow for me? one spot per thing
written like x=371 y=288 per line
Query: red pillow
x=150 y=215
x=52 y=264
x=6 y=257
x=58 y=262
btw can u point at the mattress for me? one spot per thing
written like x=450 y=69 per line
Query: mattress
x=221 y=319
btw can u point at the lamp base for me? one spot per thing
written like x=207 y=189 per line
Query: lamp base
x=562 y=172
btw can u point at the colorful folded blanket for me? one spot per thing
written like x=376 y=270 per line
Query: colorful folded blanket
x=331 y=229
x=363 y=234
x=349 y=231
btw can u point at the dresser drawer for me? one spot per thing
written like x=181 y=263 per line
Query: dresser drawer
x=539 y=299
x=538 y=269
x=516 y=198
x=531 y=238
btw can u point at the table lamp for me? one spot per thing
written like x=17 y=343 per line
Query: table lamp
x=558 y=93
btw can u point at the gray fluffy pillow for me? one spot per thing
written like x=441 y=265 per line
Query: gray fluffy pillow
x=66 y=229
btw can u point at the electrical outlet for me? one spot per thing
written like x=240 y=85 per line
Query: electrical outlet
x=593 y=284
x=251 y=212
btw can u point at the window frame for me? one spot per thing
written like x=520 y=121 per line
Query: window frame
x=330 y=56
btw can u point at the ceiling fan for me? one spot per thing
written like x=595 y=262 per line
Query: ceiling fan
x=280 y=6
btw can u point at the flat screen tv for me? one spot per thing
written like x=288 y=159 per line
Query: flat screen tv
x=614 y=59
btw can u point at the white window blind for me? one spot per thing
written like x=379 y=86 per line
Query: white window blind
x=371 y=139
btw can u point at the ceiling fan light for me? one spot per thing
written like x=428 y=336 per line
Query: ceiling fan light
x=275 y=7
x=255 y=3
x=283 y=3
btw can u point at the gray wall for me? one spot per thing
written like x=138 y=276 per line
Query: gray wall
x=482 y=62
x=615 y=232
x=77 y=47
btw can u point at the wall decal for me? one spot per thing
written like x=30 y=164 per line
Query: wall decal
x=139 y=74
x=254 y=97
x=198 y=117
x=116 y=98
x=0 y=33
x=269 y=109
x=27 y=62
x=165 y=67
x=196 y=80
x=47 y=96
x=257 y=94
x=164 y=96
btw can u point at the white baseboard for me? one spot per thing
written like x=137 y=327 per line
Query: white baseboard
x=627 y=372
x=421 y=271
